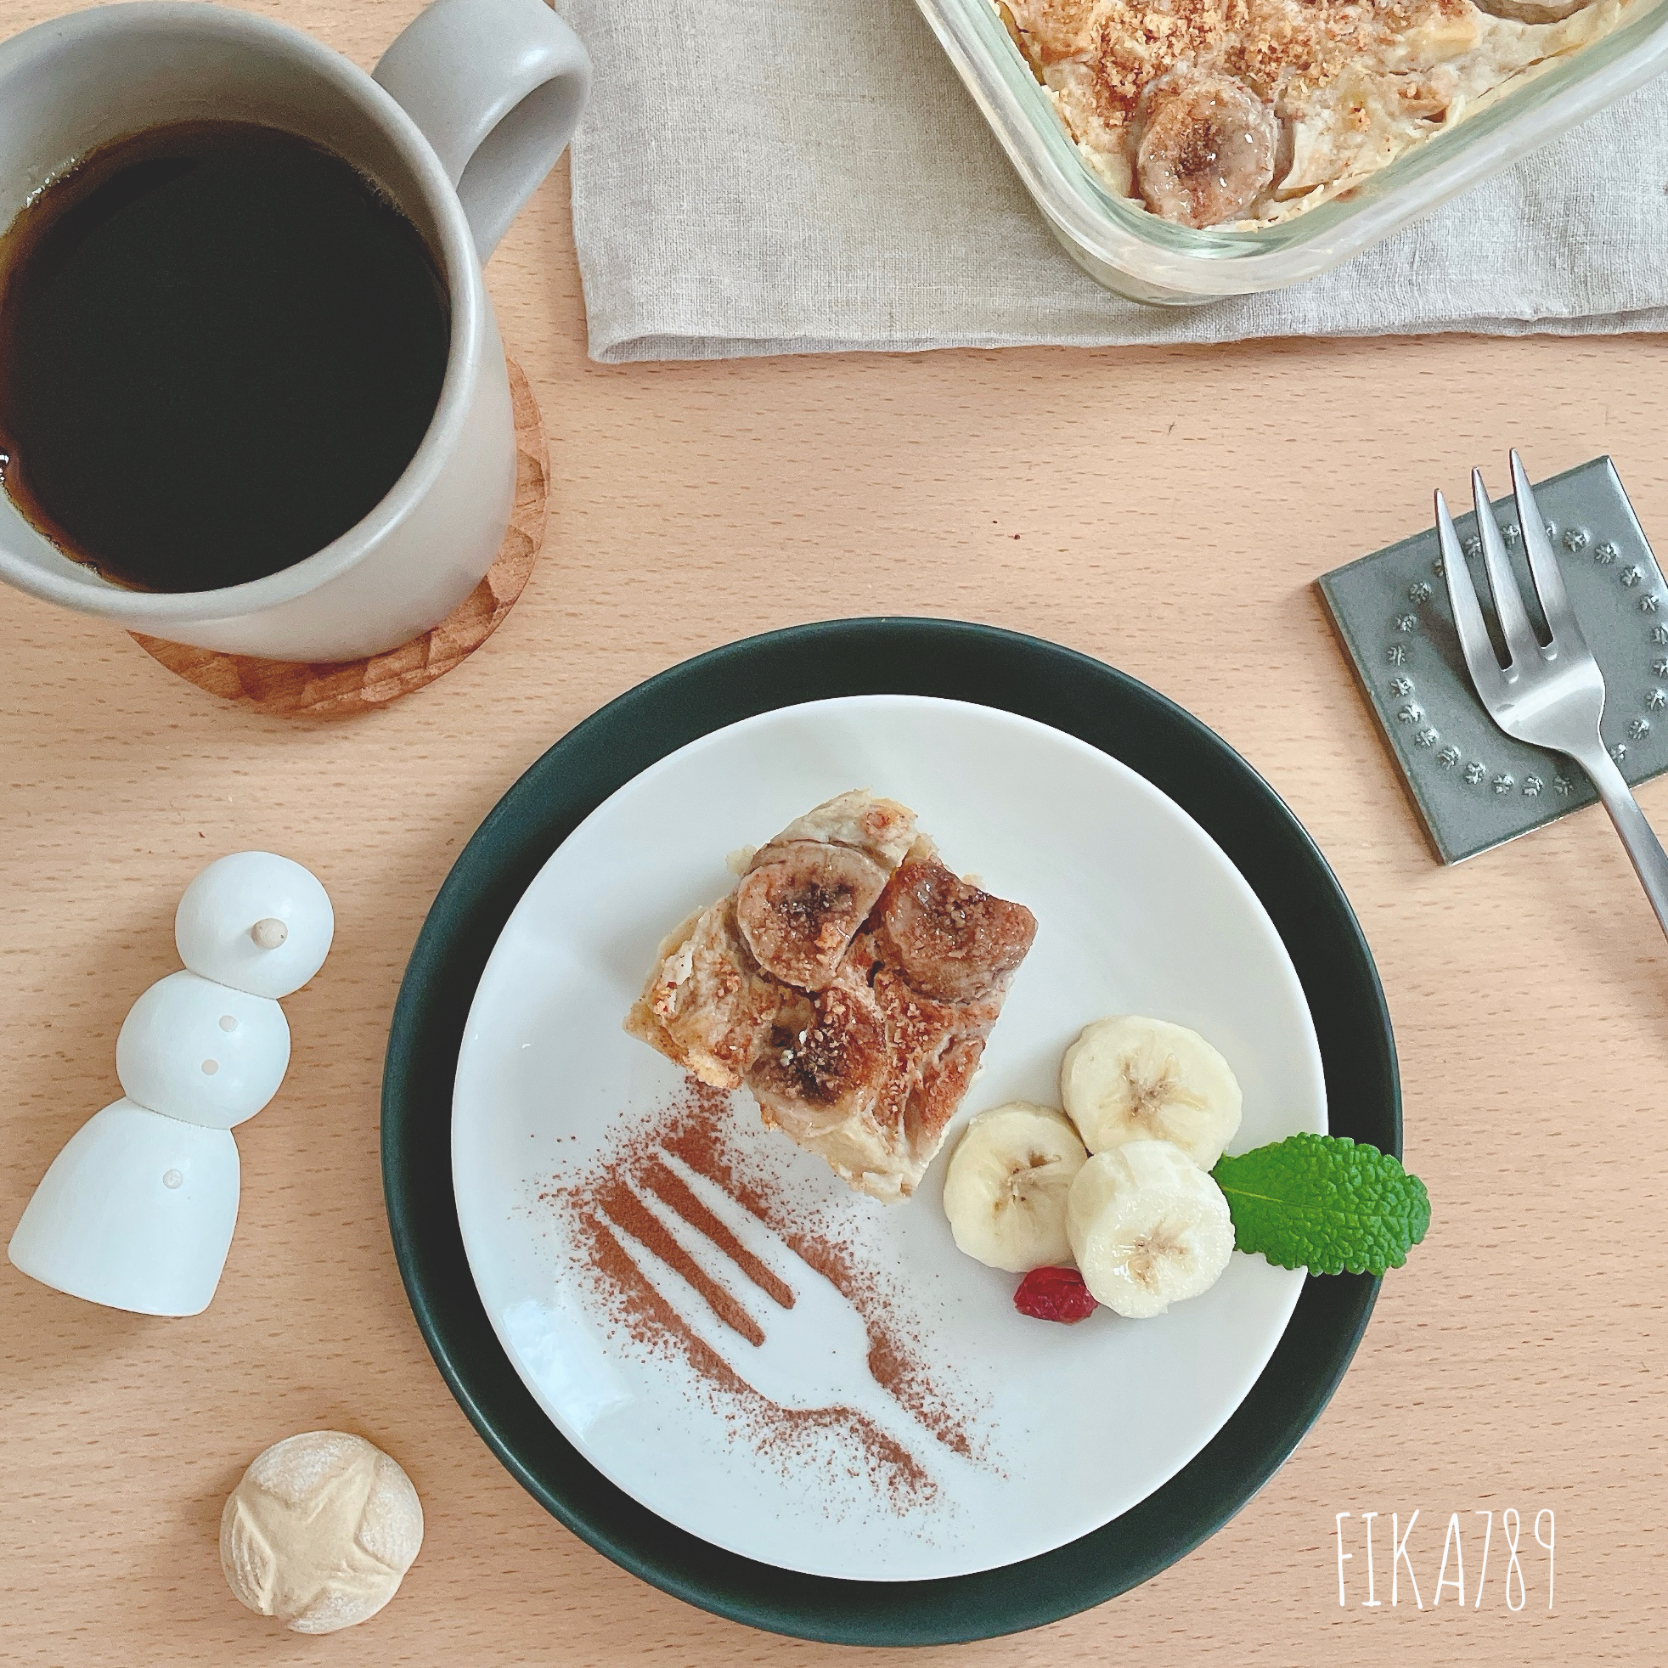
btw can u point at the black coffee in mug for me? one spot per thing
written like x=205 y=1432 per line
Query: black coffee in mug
x=220 y=346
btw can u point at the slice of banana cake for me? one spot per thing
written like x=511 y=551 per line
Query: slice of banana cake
x=849 y=981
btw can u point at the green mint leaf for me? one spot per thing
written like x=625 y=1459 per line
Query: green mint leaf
x=1324 y=1203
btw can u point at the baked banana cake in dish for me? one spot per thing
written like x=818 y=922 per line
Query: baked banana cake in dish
x=1239 y=113
x=849 y=982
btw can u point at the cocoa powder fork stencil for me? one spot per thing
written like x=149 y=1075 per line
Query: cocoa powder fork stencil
x=766 y=1312
x=1474 y=784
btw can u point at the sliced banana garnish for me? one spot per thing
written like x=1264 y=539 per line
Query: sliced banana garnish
x=1148 y=1227
x=1134 y=1079
x=1005 y=1190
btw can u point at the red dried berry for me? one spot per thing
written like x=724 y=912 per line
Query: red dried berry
x=1055 y=1294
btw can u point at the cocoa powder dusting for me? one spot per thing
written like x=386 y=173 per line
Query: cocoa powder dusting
x=697 y=1127
x=674 y=1191
x=622 y=1207
x=698 y=1133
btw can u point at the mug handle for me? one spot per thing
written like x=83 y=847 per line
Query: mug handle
x=497 y=87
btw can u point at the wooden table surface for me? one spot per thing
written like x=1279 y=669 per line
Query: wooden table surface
x=1165 y=510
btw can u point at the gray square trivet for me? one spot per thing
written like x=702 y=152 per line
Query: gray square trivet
x=1474 y=785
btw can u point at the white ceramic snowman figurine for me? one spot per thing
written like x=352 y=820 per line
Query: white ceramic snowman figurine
x=138 y=1209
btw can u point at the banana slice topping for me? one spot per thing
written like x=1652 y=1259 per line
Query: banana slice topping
x=1005 y=1190
x=1133 y=1079
x=1148 y=1228
x=1120 y=1183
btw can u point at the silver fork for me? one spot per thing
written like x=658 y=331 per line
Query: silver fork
x=1551 y=694
x=814 y=1354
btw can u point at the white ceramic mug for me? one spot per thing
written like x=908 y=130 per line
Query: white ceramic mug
x=467 y=112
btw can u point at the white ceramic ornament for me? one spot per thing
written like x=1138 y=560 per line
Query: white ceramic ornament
x=137 y=1211
x=165 y=1201
x=255 y=922
x=198 y=1050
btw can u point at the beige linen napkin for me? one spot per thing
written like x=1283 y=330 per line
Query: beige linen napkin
x=798 y=176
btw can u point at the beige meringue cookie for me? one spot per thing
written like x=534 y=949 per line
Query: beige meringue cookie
x=320 y=1531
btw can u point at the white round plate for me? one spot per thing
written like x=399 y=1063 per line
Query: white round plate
x=1138 y=911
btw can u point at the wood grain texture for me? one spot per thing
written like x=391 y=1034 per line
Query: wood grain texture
x=346 y=689
x=1166 y=510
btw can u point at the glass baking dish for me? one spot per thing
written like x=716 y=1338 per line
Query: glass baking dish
x=1138 y=255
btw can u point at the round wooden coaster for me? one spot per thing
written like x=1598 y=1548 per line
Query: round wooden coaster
x=318 y=690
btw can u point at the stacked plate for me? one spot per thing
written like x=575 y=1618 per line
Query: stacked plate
x=1167 y=878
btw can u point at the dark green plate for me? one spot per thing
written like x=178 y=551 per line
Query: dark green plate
x=808 y=663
